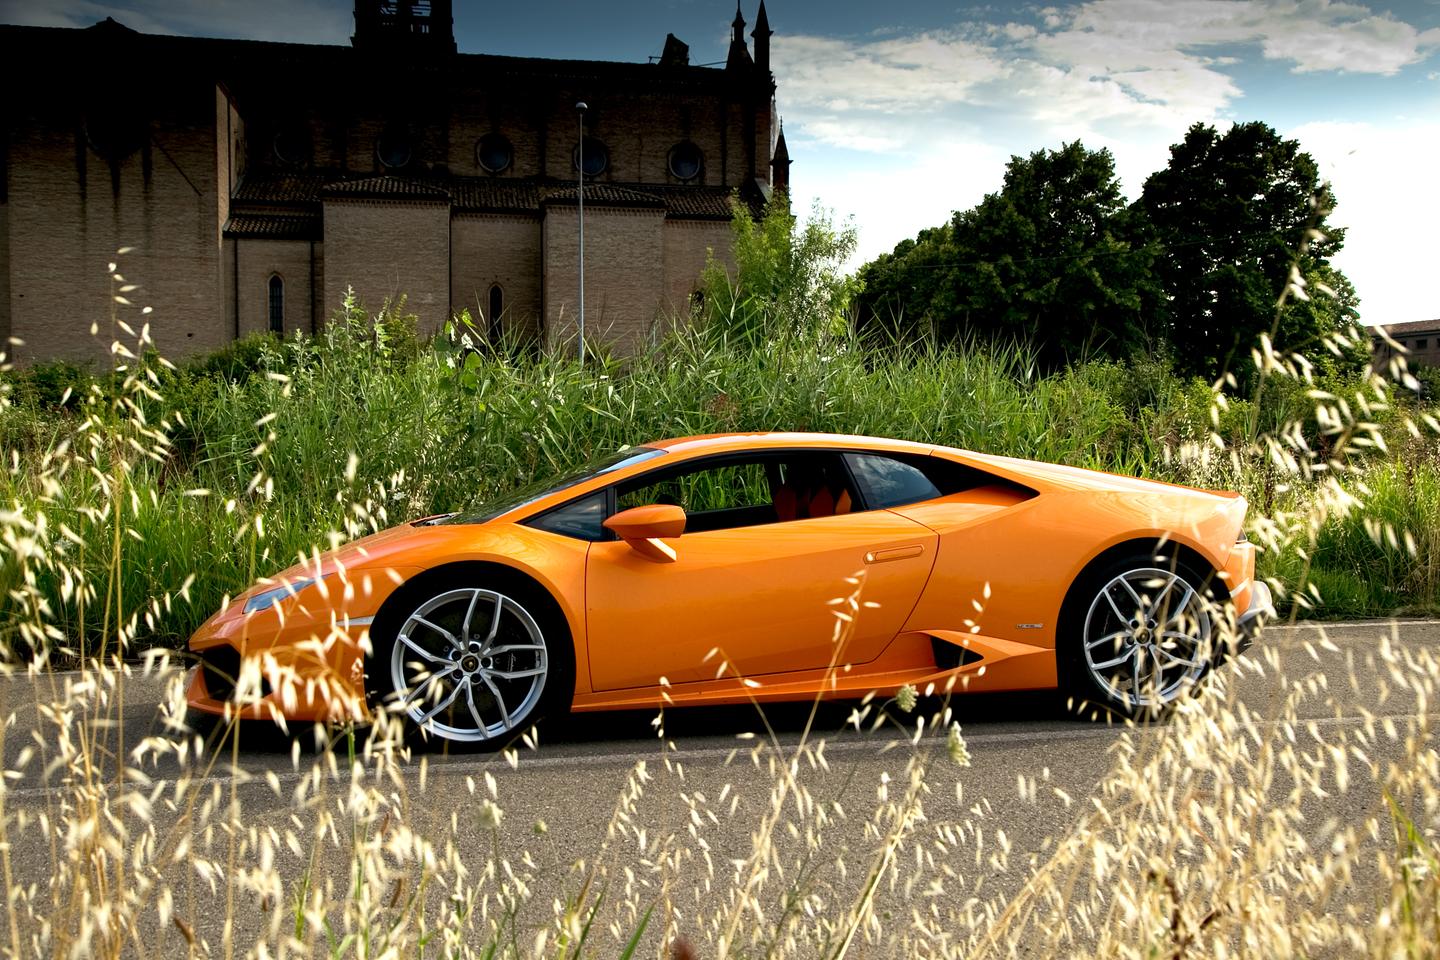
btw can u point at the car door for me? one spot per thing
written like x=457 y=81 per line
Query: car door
x=756 y=577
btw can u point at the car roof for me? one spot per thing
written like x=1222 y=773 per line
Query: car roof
x=730 y=442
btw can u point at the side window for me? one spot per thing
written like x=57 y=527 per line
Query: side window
x=729 y=487
x=745 y=493
x=888 y=482
x=580 y=518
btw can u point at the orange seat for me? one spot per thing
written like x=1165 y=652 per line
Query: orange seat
x=786 y=504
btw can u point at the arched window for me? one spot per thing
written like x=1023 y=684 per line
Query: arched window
x=277 y=304
x=497 y=307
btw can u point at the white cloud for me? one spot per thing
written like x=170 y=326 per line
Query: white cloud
x=920 y=71
x=1312 y=34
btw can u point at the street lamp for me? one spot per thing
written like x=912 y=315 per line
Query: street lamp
x=580 y=108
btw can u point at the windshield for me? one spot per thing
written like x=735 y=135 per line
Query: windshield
x=543 y=488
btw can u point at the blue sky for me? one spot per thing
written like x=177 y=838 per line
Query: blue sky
x=898 y=113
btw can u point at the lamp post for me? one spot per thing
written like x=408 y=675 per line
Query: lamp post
x=580 y=108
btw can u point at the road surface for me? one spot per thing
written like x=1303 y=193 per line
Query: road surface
x=667 y=821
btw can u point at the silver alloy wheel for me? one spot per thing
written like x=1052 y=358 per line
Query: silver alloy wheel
x=469 y=665
x=1148 y=637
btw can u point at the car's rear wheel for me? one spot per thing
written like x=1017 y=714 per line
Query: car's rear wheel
x=472 y=664
x=1148 y=631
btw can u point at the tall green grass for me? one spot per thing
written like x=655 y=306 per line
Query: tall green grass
x=272 y=445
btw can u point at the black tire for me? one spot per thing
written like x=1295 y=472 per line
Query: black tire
x=488 y=711
x=1137 y=633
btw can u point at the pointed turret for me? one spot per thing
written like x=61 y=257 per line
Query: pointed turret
x=762 y=34
x=739 y=57
x=780 y=164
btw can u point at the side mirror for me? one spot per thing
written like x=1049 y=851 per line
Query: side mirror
x=646 y=529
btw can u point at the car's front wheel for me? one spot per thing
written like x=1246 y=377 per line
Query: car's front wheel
x=1148 y=631
x=474 y=664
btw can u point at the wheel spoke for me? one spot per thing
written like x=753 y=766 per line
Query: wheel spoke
x=1108 y=638
x=517 y=674
x=499 y=700
x=438 y=629
x=512 y=647
x=1184 y=605
x=443 y=704
x=470 y=701
x=419 y=694
x=1116 y=607
x=500 y=602
x=1158 y=669
x=420 y=650
x=1139 y=604
x=469 y=615
x=1135 y=676
x=1126 y=654
x=1178 y=637
x=1174 y=660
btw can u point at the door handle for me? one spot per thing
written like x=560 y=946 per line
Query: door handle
x=894 y=553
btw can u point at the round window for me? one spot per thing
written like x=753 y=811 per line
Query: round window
x=685 y=161
x=597 y=157
x=494 y=153
x=393 y=149
x=292 y=146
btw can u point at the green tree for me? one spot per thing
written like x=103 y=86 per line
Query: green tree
x=1050 y=260
x=789 y=279
x=1230 y=215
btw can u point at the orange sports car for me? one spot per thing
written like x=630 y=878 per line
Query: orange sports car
x=724 y=569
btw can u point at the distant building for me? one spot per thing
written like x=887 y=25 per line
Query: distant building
x=1420 y=337
x=257 y=180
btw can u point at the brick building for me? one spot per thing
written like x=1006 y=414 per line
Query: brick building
x=1420 y=337
x=255 y=180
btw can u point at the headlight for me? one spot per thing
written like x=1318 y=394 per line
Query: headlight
x=269 y=598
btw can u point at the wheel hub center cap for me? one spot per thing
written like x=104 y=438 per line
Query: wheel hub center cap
x=470 y=663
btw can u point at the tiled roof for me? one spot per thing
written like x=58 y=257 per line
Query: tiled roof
x=267 y=187
x=302 y=191
x=495 y=193
x=699 y=203
x=274 y=226
x=387 y=186
x=605 y=194
x=1410 y=327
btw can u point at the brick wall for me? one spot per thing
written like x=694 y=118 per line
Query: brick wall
x=67 y=218
x=384 y=248
x=639 y=131
x=490 y=249
x=290 y=260
x=1421 y=340
x=623 y=293
x=688 y=246
x=5 y=278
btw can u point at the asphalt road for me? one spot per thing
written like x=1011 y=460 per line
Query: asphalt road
x=681 y=825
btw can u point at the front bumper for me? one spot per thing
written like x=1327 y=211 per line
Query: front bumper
x=1260 y=612
x=318 y=678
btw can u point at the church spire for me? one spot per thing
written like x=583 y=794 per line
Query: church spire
x=780 y=164
x=739 y=54
x=762 y=34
